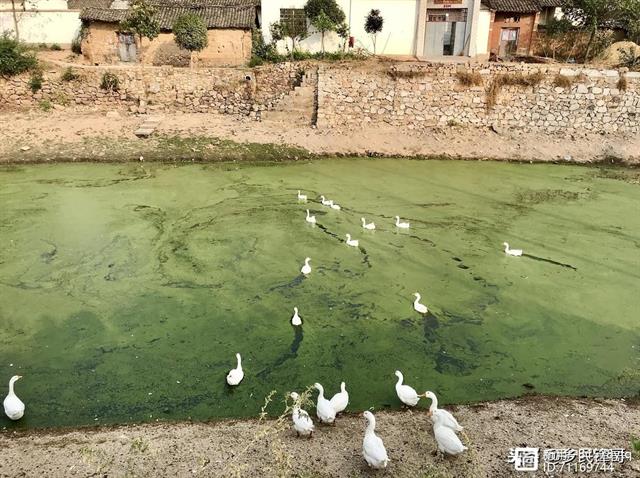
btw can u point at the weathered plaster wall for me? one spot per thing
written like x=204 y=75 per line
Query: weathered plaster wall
x=45 y=25
x=241 y=91
x=230 y=47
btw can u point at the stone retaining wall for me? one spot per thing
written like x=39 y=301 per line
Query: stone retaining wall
x=225 y=90
x=416 y=96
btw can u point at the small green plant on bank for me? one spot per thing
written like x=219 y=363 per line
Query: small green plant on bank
x=55 y=47
x=469 y=78
x=635 y=447
x=45 y=105
x=35 y=82
x=15 y=57
x=109 y=82
x=69 y=75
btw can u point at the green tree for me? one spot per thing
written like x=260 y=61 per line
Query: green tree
x=631 y=18
x=294 y=30
x=14 y=57
x=313 y=8
x=190 y=33
x=343 y=32
x=323 y=24
x=593 y=15
x=373 y=25
x=141 y=21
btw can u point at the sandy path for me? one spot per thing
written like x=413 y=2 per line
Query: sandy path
x=60 y=129
x=237 y=448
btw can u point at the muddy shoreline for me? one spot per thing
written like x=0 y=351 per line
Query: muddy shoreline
x=269 y=448
x=61 y=136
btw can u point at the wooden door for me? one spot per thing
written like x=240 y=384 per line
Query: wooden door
x=508 y=41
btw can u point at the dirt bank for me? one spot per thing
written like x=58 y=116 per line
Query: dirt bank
x=254 y=449
x=61 y=135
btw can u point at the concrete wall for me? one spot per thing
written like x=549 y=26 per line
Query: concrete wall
x=398 y=36
x=42 y=21
x=226 y=47
x=422 y=96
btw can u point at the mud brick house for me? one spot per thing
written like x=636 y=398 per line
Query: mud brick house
x=514 y=24
x=229 y=24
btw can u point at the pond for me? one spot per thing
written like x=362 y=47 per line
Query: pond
x=126 y=290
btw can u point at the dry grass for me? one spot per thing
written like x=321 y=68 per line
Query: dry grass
x=622 y=82
x=469 y=78
x=510 y=79
x=563 y=81
x=404 y=74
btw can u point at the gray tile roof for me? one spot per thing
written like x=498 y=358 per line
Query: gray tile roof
x=80 y=4
x=521 y=6
x=216 y=13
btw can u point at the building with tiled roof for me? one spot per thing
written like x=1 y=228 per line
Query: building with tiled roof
x=514 y=24
x=229 y=24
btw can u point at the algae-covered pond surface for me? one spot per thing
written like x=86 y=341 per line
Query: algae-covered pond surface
x=126 y=290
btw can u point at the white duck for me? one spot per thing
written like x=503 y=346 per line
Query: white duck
x=340 y=400
x=302 y=423
x=310 y=219
x=373 y=450
x=401 y=225
x=406 y=394
x=296 y=320
x=420 y=308
x=448 y=420
x=511 y=252
x=235 y=375
x=448 y=441
x=324 y=409
x=352 y=242
x=371 y=226
x=306 y=268
x=13 y=406
x=301 y=197
x=325 y=202
x=332 y=205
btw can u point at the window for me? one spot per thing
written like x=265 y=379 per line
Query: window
x=295 y=18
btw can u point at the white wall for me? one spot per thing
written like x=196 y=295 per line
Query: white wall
x=482 y=34
x=398 y=36
x=44 y=21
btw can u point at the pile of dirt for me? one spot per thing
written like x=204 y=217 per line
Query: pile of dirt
x=612 y=56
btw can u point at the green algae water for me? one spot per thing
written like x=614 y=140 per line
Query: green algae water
x=126 y=290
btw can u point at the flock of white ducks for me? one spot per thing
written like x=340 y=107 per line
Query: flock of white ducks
x=445 y=426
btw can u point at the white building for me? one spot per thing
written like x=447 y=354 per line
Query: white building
x=422 y=28
x=42 y=21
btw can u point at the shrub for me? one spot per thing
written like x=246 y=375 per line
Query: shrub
x=76 y=46
x=394 y=73
x=622 y=82
x=533 y=79
x=629 y=57
x=35 y=82
x=69 y=75
x=190 y=32
x=109 y=82
x=562 y=81
x=14 y=57
x=469 y=78
x=55 y=47
x=45 y=105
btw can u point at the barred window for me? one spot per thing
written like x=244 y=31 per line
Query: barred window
x=294 y=18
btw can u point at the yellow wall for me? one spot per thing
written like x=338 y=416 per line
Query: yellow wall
x=226 y=47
